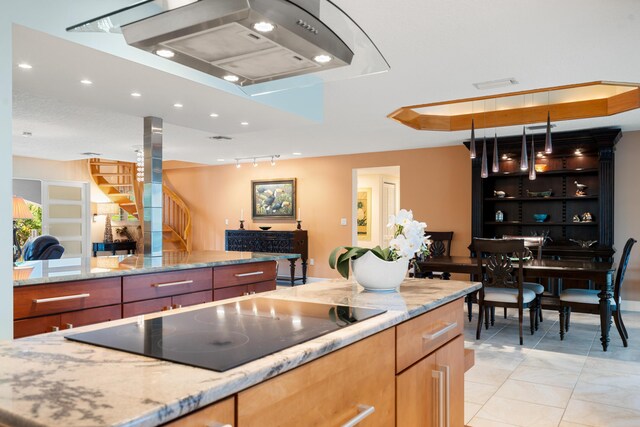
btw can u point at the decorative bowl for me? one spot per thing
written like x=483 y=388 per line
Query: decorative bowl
x=265 y=227
x=540 y=217
x=377 y=275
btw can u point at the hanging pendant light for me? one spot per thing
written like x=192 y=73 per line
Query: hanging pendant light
x=472 y=145
x=548 y=147
x=496 y=161
x=532 y=165
x=524 y=164
x=484 y=172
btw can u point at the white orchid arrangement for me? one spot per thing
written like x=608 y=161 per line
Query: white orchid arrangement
x=408 y=240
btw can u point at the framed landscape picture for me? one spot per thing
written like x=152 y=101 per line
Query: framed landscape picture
x=364 y=213
x=274 y=198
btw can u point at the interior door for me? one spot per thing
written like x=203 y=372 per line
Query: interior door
x=65 y=215
x=388 y=208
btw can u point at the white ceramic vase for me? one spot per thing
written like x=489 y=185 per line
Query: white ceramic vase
x=378 y=275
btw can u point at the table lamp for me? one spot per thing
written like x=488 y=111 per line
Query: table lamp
x=108 y=209
x=20 y=211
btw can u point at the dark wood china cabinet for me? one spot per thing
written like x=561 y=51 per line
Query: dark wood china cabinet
x=585 y=157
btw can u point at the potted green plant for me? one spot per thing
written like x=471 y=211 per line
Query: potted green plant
x=384 y=269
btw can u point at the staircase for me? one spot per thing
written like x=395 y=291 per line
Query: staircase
x=117 y=180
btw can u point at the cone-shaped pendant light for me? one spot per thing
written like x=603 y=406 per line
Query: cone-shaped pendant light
x=548 y=146
x=496 y=162
x=524 y=163
x=484 y=172
x=472 y=145
x=532 y=165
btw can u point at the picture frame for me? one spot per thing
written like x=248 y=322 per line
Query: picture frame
x=273 y=199
x=363 y=214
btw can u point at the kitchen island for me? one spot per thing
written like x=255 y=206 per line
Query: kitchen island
x=47 y=380
x=71 y=292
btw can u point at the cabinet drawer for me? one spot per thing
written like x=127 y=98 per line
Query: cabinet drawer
x=217 y=414
x=35 y=326
x=242 y=274
x=231 y=292
x=156 y=285
x=329 y=391
x=76 y=319
x=145 y=307
x=256 y=288
x=192 y=299
x=422 y=335
x=31 y=301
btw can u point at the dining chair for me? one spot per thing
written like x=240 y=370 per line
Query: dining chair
x=588 y=301
x=501 y=285
x=440 y=246
x=531 y=242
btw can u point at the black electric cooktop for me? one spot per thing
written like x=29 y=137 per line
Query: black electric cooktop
x=226 y=336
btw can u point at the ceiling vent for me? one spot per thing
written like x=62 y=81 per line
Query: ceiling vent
x=540 y=127
x=90 y=154
x=221 y=138
x=228 y=39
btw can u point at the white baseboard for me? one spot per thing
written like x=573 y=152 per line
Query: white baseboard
x=630 y=305
x=316 y=279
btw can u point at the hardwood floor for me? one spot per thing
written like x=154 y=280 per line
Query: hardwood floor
x=547 y=382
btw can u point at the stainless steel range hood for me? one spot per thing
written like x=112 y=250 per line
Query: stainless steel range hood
x=222 y=38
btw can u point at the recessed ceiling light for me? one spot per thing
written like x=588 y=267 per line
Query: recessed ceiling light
x=263 y=27
x=165 y=53
x=25 y=66
x=220 y=160
x=213 y=115
x=86 y=82
x=244 y=123
x=136 y=94
x=178 y=105
x=27 y=134
x=322 y=59
x=297 y=154
x=492 y=84
x=231 y=78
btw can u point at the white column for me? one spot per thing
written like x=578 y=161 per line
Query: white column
x=6 y=199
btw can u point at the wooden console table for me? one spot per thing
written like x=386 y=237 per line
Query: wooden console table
x=288 y=242
x=112 y=247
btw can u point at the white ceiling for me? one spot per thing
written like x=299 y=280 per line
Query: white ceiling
x=436 y=50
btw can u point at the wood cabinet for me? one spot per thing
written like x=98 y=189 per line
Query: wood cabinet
x=431 y=392
x=356 y=382
x=42 y=324
x=220 y=414
x=49 y=307
x=243 y=279
x=586 y=157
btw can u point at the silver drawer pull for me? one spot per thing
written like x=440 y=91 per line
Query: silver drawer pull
x=363 y=412
x=439 y=396
x=217 y=424
x=433 y=335
x=181 y=282
x=53 y=299
x=253 y=273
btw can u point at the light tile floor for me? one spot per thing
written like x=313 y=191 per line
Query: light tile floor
x=548 y=382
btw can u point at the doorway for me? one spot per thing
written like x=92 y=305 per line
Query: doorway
x=376 y=196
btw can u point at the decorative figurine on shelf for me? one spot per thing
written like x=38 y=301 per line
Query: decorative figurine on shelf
x=581 y=190
x=499 y=216
x=545 y=236
x=576 y=218
x=499 y=194
x=586 y=217
x=584 y=244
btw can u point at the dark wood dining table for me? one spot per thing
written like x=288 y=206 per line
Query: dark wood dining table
x=599 y=273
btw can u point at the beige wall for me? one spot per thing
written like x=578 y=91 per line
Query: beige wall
x=627 y=208
x=435 y=183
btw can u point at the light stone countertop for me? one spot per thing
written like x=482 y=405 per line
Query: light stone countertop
x=46 y=380
x=67 y=269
